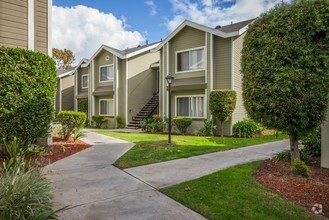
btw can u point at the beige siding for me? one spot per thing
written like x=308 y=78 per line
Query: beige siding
x=141 y=81
x=81 y=71
x=41 y=25
x=187 y=38
x=222 y=63
x=239 y=112
x=161 y=84
x=100 y=61
x=122 y=89
x=67 y=82
x=57 y=98
x=68 y=93
x=13 y=23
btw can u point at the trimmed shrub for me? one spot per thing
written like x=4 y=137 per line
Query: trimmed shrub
x=285 y=68
x=246 y=128
x=70 y=120
x=300 y=167
x=120 y=122
x=312 y=143
x=99 y=120
x=28 y=86
x=182 y=123
x=208 y=129
x=83 y=107
x=221 y=105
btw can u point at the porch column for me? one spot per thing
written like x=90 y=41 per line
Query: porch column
x=325 y=143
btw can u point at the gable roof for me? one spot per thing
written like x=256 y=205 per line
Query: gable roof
x=127 y=53
x=225 y=32
x=234 y=27
x=71 y=70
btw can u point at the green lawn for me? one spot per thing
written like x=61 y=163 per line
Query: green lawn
x=234 y=194
x=153 y=148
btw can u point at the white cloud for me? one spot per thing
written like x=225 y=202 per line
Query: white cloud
x=152 y=6
x=83 y=30
x=211 y=13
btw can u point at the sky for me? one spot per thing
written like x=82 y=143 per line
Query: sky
x=84 y=25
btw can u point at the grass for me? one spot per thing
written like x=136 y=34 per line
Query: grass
x=234 y=194
x=153 y=148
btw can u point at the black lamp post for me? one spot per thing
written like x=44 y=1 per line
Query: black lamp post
x=169 y=79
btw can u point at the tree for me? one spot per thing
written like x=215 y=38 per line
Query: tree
x=285 y=68
x=64 y=58
x=222 y=104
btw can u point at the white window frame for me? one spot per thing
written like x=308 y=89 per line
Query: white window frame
x=188 y=50
x=99 y=104
x=99 y=74
x=192 y=96
x=82 y=76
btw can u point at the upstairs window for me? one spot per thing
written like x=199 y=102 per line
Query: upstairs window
x=190 y=60
x=84 y=81
x=106 y=74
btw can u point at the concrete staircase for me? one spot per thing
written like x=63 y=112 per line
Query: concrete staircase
x=145 y=113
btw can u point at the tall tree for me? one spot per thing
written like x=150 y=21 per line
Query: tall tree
x=64 y=58
x=285 y=67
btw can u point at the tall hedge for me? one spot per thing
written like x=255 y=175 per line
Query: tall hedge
x=222 y=104
x=28 y=85
x=285 y=66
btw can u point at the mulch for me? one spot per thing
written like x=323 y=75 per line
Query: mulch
x=280 y=178
x=59 y=150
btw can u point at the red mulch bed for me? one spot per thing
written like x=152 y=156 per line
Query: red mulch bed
x=280 y=178
x=61 y=149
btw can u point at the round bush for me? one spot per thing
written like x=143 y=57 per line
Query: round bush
x=285 y=68
x=246 y=128
x=182 y=123
x=28 y=85
x=71 y=120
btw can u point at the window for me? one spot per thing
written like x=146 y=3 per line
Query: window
x=84 y=81
x=106 y=73
x=190 y=60
x=106 y=107
x=190 y=106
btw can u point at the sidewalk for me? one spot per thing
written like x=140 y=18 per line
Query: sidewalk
x=172 y=172
x=95 y=189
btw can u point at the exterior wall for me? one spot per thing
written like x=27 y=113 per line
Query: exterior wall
x=14 y=24
x=41 y=25
x=57 y=98
x=122 y=89
x=141 y=81
x=81 y=71
x=222 y=72
x=187 y=38
x=325 y=143
x=67 y=93
x=240 y=112
x=100 y=61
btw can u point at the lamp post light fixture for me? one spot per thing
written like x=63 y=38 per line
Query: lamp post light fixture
x=169 y=79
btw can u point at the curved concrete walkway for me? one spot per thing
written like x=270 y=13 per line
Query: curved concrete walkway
x=95 y=189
